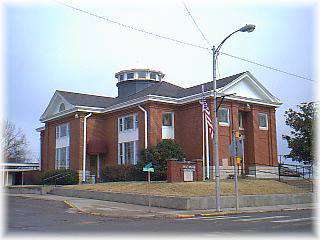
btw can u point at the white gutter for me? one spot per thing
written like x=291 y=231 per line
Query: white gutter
x=145 y=126
x=84 y=146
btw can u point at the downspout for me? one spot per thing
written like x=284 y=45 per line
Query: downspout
x=84 y=146
x=145 y=126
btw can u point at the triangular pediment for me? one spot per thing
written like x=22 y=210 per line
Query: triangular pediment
x=247 y=86
x=58 y=104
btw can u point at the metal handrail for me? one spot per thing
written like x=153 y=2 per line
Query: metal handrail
x=56 y=177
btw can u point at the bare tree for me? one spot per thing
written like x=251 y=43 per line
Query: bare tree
x=14 y=143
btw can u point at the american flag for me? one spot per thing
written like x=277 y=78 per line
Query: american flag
x=206 y=112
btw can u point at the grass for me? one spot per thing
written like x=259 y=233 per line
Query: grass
x=188 y=189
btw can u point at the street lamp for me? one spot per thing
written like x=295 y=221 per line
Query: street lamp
x=215 y=52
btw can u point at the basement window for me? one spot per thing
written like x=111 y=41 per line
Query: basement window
x=263 y=121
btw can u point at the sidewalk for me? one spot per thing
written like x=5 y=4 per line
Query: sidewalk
x=123 y=210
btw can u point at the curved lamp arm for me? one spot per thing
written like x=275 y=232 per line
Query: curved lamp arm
x=246 y=28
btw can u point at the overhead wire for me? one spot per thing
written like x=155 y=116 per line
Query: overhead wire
x=180 y=41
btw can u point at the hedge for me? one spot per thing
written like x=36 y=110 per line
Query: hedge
x=126 y=173
x=63 y=177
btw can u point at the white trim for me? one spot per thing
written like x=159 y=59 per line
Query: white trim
x=255 y=82
x=55 y=96
x=39 y=129
x=275 y=102
x=84 y=146
x=145 y=126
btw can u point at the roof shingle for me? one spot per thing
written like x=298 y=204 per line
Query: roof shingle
x=162 y=88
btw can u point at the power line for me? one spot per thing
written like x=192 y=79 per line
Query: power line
x=131 y=27
x=177 y=41
x=197 y=26
x=265 y=66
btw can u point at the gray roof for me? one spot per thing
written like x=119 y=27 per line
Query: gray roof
x=80 y=99
x=162 y=88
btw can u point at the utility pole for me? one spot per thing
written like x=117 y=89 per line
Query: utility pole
x=216 y=133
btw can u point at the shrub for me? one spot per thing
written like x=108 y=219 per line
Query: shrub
x=158 y=156
x=121 y=173
x=59 y=177
x=126 y=173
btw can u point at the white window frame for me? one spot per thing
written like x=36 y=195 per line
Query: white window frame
x=168 y=128
x=267 y=124
x=228 y=117
x=58 y=130
x=122 y=158
x=58 y=164
x=121 y=124
x=62 y=142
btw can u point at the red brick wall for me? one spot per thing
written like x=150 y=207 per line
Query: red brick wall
x=175 y=170
x=261 y=146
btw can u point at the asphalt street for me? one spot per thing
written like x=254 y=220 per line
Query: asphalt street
x=44 y=216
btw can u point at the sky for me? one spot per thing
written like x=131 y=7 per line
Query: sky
x=50 y=47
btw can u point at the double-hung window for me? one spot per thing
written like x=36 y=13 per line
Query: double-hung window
x=223 y=116
x=129 y=122
x=263 y=121
x=127 y=152
x=62 y=146
x=168 y=125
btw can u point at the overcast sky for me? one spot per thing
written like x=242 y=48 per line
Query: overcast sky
x=49 y=47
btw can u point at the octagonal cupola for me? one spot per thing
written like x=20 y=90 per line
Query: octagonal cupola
x=135 y=80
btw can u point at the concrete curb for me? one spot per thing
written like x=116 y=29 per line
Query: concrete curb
x=225 y=213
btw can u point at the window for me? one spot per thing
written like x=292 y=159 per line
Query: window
x=127 y=152
x=62 y=131
x=120 y=77
x=142 y=74
x=223 y=116
x=129 y=122
x=263 y=121
x=168 y=125
x=130 y=75
x=136 y=121
x=62 y=107
x=153 y=75
x=167 y=119
x=62 y=157
x=120 y=125
x=240 y=120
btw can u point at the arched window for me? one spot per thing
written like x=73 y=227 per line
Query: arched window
x=62 y=107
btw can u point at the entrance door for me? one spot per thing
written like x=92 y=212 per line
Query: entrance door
x=95 y=165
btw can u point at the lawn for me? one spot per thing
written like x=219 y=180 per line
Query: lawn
x=188 y=189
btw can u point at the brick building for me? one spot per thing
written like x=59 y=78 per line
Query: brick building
x=87 y=132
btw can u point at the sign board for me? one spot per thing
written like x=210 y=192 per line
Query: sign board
x=235 y=149
x=148 y=168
